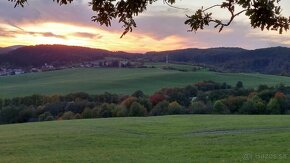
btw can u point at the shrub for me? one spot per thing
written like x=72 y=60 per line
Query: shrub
x=266 y=95
x=121 y=111
x=87 y=113
x=254 y=105
x=27 y=115
x=95 y=111
x=146 y=103
x=78 y=107
x=234 y=104
x=160 y=109
x=220 y=108
x=137 y=109
x=279 y=104
x=239 y=85
x=181 y=95
x=217 y=94
x=55 y=108
x=49 y=118
x=106 y=110
x=46 y=116
x=68 y=115
x=283 y=101
x=273 y=106
x=9 y=114
x=175 y=108
x=198 y=107
x=77 y=116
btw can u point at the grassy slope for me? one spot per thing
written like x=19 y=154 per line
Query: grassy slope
x=123 y=81
x=199 y=138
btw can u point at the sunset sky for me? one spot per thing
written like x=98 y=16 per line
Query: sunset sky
x=160 y=28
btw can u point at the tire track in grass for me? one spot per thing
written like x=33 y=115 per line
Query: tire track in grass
x=238 y=131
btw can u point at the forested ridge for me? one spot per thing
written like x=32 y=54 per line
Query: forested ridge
x=274 y=60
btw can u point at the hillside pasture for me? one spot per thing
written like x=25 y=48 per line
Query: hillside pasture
x=122 y=81
x=192 y=138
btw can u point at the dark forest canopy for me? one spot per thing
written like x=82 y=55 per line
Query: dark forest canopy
x=263 y=14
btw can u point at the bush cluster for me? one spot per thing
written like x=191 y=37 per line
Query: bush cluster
x=205 y=97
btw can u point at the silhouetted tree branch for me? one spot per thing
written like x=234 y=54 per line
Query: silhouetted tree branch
x=263 y=14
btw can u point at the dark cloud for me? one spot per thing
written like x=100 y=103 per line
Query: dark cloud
x=4 y=33
x=13 y=25
x=49 y=34
x=14 y=33
x=87 y=35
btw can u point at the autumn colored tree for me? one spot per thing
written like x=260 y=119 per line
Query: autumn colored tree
x=254 y=105
x=156 y=98
x=282 y=103
x=175 y=108
x=234 y=103
x=280 y=96
x=128 y=101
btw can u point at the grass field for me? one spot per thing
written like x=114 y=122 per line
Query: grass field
x=192 y=138
x=124 y=81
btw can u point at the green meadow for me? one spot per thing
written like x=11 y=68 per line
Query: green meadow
x=123 y=81
x=190 y=138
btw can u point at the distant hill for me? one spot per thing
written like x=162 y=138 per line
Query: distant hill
x=274 y=60
x=55 y=54
x=10 y=48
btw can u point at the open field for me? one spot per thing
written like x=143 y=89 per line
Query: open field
x=116 y=80
x=192 y=138
x=188 y=67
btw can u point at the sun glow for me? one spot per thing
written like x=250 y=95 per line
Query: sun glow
x=70 y=34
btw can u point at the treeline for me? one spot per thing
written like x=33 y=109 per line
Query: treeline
x=57 y=55
x=268 y=61
x=205 y=97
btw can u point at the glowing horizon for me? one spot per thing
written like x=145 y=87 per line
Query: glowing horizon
x=68 y=34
